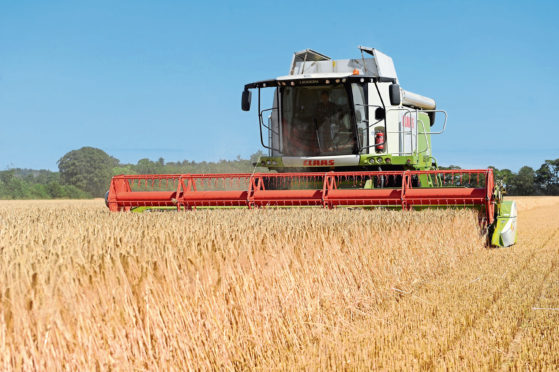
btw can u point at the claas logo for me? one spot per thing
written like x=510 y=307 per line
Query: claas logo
x=315 y=163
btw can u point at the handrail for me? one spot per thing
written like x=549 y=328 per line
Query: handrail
x=445 y=120
x=262 y=119
x=260 y=124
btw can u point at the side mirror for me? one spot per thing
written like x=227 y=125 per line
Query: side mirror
x=394 y=93
x=245 y=102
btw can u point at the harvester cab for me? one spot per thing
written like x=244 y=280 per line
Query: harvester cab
x=339 y=133
x=348 y=114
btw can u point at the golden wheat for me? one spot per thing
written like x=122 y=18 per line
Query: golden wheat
x=525 y=203
x=82 y=288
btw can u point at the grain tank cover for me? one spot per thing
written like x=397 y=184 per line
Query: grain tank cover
x=383 y=63
x=309 y=63
x=307 y=55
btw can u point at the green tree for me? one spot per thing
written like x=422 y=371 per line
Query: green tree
x=507 y=177
x=547 y=177
x=13 y=187
x=524 y=181
x=72 y=192
x=55 y=190
x=146 y=166
x=89 y=169
x=124 y=169
x=39 y=191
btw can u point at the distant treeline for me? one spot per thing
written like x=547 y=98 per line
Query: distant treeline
x=543 y=181
x=36 y=184
x=86 y=173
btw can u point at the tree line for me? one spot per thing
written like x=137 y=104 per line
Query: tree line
x=527 y=181
x=86 y=173
x=543 y=181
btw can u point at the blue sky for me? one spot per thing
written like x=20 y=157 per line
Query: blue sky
x=164 y=78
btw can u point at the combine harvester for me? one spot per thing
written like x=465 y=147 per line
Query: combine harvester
x=338 y=133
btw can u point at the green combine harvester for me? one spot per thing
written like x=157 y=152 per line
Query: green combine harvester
x=339 y=133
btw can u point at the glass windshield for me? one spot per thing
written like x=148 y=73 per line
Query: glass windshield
x=317 y=120
x=361 y=118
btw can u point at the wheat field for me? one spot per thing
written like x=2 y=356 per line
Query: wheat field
x=85 y=289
